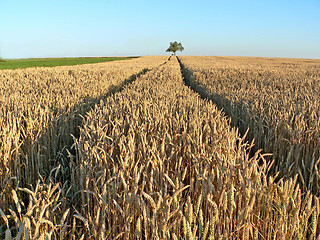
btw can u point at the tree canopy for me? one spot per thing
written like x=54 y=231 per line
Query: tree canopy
x=175 y=46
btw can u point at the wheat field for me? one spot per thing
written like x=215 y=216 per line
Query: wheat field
x=125 y=150
x=278 y=99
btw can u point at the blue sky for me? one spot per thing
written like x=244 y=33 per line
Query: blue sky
x=69 y=28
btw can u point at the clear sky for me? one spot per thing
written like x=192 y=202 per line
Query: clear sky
x=71 y=28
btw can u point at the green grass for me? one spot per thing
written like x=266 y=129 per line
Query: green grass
x=52 y=62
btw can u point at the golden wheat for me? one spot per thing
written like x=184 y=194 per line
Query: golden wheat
x=153 y=161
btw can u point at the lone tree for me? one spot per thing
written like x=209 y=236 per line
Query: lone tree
x=175 y=46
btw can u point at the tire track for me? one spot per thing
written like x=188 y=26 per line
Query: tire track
x=220 y=102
